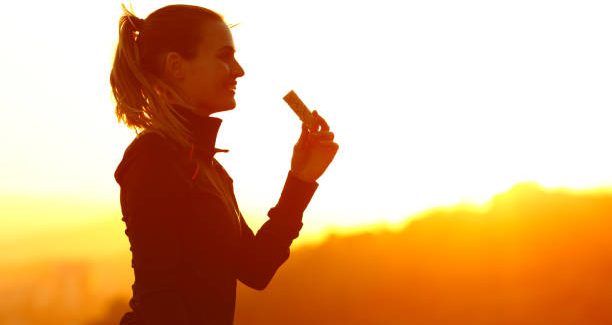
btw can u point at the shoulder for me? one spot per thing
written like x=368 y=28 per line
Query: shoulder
x=151 y=143
x=150 y=153
x=222 y=172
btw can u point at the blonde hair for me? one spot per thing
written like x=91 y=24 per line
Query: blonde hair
x=143 y=99
x=223 y=190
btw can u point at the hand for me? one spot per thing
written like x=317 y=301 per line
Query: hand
x=314 y=151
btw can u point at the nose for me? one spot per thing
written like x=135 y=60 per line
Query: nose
x=237 y=70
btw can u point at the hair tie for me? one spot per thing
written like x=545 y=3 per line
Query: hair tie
x=134 y=21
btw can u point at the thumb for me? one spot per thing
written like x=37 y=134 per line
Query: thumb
x=303 y=136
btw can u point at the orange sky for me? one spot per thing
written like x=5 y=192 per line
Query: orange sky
x=432 y=103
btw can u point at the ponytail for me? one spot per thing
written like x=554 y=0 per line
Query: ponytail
x=143 y=98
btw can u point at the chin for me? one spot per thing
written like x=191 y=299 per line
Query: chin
x=229 y=104
x=225 y=106
x=219 y=103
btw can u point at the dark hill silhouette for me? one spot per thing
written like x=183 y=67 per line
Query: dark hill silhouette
x=532 y=257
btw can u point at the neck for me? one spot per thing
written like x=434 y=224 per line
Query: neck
x=203 y=129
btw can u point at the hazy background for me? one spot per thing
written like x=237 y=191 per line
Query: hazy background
x=433 y=103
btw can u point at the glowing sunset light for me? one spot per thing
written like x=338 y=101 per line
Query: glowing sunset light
x=432 y=103
x=473 y=184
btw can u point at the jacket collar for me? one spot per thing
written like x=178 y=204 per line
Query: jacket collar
x=203 y=130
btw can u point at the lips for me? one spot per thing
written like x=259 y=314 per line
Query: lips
x=232 y=86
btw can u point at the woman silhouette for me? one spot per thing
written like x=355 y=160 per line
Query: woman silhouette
x=189 y=241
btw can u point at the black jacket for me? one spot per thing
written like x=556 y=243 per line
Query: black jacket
x=188 y=249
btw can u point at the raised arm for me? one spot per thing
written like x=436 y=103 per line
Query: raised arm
x=263 y=254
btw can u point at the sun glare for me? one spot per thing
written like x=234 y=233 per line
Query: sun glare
x=431 y=104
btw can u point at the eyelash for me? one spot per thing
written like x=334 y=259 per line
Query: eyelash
x=226 y=56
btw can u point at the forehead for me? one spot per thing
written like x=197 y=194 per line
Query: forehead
x=215 y=36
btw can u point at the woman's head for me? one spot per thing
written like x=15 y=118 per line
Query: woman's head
x=208 y=80
x=179 y=54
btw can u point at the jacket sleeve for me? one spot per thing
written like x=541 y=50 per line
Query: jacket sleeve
x=154 y=208
x=264 y=253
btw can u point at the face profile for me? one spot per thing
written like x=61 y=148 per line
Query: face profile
x=208 y=81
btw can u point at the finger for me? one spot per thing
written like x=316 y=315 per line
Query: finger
x=305 y=130
x=329 y=145
x=303 y=140
x=321 y=121
x=321 y=136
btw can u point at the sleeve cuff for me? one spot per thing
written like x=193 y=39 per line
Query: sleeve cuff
x=296 y=195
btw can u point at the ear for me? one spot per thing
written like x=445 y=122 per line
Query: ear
x=174 y=66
